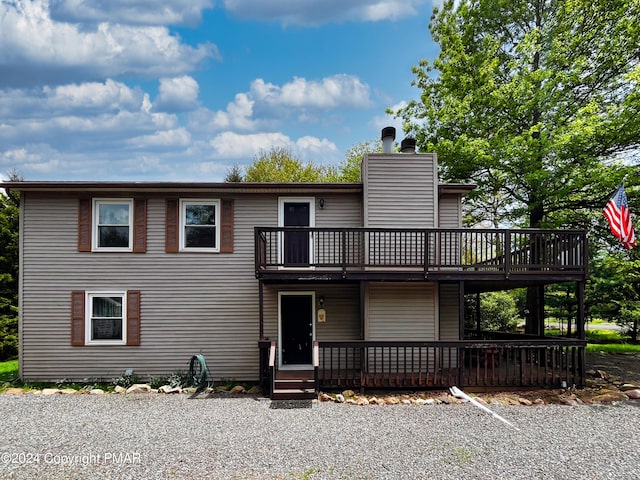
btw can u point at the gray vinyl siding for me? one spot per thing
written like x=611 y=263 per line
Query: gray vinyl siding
x=342 y=304
x=401 y=311
x=449 y=312
x=190 y=302
x=450 y=212
x=400 y=191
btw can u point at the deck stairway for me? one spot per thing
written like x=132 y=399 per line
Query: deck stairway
x=294 y=385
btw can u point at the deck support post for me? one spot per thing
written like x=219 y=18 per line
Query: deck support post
x=261 y=308
x=580 y=315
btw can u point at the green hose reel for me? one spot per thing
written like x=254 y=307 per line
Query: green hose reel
x=198 y=374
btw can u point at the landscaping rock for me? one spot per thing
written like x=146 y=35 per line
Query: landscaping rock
x=169 y=389
x=139 y=388
x=633 y=394
x=392 y=400
x=255 y=390
x=237 y=389
x=629 y=386
x=96 y=391
x=524 y=401
x=120 y=389
x=69 y=391
x=362 y=401
x=348 y=394
x=325 y=397
x=50 y=391
x=339 y=398
x=610 y=397
x=14 y=391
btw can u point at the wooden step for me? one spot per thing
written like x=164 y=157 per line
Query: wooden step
x=295 y=384
x=293 y=393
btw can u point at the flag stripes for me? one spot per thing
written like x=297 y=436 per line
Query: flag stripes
x=619 y=217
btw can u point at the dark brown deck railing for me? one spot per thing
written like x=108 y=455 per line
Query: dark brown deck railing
x=348 y=250
x=467 y=363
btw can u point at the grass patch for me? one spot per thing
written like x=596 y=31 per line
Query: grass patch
x=613 y=347
x=8 y=370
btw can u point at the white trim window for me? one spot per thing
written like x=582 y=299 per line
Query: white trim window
x=200 y=225
x=112 y=225
x=106 y=321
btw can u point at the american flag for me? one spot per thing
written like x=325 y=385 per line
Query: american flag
x=619 y=218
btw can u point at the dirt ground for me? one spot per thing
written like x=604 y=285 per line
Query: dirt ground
x=625 y=366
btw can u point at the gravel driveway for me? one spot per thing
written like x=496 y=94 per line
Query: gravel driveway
x=156 y=436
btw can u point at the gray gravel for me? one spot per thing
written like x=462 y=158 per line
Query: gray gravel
x=155 y=436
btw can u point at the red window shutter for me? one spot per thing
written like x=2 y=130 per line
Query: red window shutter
x=171 y=226
x=139 y=225
x=226 y=225
x=133 y=317
x=77 y=317
x=84 y=225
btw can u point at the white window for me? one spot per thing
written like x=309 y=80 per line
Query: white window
x=199 y=225
x=112 y=225
x=106 y=318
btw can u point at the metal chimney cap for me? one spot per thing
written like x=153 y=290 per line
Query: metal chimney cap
x=388 y=132
x=408 y=145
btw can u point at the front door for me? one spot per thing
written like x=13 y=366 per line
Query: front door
x=296 y=329
x=296 y=249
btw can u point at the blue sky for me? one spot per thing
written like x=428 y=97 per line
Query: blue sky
x=181 y=90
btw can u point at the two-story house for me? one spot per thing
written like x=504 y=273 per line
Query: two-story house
x=300 y=286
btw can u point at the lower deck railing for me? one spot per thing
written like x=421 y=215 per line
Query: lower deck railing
x=546 y=363
x=501 y=363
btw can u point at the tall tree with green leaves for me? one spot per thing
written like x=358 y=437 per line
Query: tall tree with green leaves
x=9 y=220
x=534 y=100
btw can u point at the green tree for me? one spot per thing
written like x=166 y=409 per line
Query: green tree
x=349 y=169
x=9 y=225
x=498 y=312
x=615 y=283
x=234 y=175
x=535 y=102
x=279 y=165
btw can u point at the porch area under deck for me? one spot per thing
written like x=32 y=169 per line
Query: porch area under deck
x=474 y=260
x=472 y=364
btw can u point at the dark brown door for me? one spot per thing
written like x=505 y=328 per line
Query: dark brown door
x=296 y=323
x=296 y=244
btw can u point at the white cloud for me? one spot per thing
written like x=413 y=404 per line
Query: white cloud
x=151 y=12
x=92 y=96
x=178 y=94
x=230 y=145
x=78 y=116
x=316 y=12
x=178 y=137
x=35 y=49
x=337 y=91
x=266 y=104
